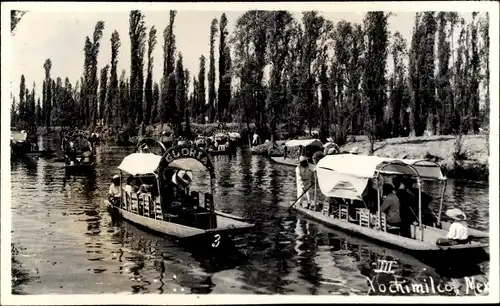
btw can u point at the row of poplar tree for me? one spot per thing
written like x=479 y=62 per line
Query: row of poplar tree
x=321 y=75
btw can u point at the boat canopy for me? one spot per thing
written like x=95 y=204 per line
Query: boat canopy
x=304 y=143
x=140 y=163
x=18 y=136
x=187 y=157
x=347 y=175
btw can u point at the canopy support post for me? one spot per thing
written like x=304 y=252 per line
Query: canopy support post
x=315 y=189
x=379 y=214
x=441 y=202
x=419 y=183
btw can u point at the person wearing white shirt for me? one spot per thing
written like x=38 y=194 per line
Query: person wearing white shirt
x=304 y=176
x=458 y=232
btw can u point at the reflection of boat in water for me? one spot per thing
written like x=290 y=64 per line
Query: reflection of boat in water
x=166 y=209
x=347 y=176
x=79 y=152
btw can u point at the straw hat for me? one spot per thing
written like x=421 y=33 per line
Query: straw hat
x=182 y=178
x=354 y=150
x=302 y=159
x=456 y=214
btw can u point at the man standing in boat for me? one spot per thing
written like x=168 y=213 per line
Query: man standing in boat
x=304 y=176
x=115 y=191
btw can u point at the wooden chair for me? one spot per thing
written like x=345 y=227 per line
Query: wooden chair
x=195 y=197
x=158 y=210
x=383 y=222
x=343 y=212
x=146 y=202
x=134 y=203
x=364 y=217
x=209 y=201
x=326 y=208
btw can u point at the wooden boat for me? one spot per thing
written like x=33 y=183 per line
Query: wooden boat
x=73 y=145
x=180 y=214
x=306 y=147
x=42 y=153
x=347 y=177
x=24 y=143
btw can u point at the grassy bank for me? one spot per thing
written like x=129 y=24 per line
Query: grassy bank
x=471 y=163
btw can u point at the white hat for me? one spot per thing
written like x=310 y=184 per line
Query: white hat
x=456 y=214
x=302 y=158
x=116 y=176
x=354 y=150
x=182 y=177
x=329 y=139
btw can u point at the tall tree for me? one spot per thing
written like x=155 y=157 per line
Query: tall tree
x=149 y=78
x=201 y=91
x=180 y=96
x=22 y=99
x=167 y=94
x=443 y=81
x=281 y=28
x=93 y=82
x=112 y=99
x=47 y=105
x=211 y=73
x=427 y=71
x=397 y=108
x=224 y=61
x=485 y=56
x=137 y=34
x=475 y=63
x=38 y=113
x=374 y=82
x=103 y=89
x=156 y=101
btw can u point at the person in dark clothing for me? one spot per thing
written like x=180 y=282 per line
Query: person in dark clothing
x=391 y=207
x=370 y=197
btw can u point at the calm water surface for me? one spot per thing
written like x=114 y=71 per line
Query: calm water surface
x=65 y=241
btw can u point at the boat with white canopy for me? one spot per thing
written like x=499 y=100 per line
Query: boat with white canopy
x=345 y=180
x=165 y=202
x=297 y=147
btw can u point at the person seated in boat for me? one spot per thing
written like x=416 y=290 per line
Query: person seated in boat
x=114 y=193
x=304 y=176
x=71 y=153
x=87 y=154
x=391 y=207
x=458 y=232
x=130 y=186
x=370 y=196
x=428 y=217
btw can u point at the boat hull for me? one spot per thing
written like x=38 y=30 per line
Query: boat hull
x=384 y=237
x=79 y=168
x=211 y=238
x=284 y=161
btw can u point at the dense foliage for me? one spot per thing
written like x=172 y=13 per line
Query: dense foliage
x=282 y=76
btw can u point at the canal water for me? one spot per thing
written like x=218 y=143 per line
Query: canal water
x=64 y=240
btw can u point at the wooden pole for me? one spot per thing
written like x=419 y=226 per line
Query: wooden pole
x=420 y=208
x=441 y=201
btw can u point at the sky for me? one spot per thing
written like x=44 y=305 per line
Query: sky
x=60 y=36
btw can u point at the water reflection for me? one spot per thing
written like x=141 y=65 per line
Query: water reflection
x=69 y=242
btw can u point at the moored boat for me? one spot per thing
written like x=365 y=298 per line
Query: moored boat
x=163 y=206
x=346 y=179
x=305 y=147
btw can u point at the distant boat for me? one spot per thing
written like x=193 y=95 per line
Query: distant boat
x=307 y=147
x=79 y=151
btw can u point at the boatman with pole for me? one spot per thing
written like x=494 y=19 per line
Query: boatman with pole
x=304 y=176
